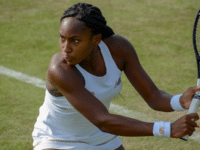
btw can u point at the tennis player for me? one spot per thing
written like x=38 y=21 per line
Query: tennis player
x=85 y=76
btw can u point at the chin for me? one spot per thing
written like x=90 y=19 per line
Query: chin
x=71 y=63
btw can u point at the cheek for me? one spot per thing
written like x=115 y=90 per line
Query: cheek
x=83 y=53
x=61 y=45
x=80 y=54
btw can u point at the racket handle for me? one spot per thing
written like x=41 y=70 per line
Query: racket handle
x=193 y=108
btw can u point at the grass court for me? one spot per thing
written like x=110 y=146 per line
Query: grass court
x=160 y=31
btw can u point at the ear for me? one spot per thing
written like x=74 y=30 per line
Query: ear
x=97 y=39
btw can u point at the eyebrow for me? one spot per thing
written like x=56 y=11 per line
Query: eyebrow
x=75 y=36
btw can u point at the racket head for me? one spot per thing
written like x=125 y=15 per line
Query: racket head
x=196 y=40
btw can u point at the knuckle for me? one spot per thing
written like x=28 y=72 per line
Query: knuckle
x=190 y=134
x=195 y=118
x=193 y=129
x=184 y=124
x=195 y=125
x=185 y=119
x=190 y=88
x=185 y=130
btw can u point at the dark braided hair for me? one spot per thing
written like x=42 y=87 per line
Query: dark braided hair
x=91 y=16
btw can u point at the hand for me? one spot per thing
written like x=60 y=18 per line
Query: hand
x=184 y=126
x=186 y=98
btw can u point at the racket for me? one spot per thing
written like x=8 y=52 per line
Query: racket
x=196 y=43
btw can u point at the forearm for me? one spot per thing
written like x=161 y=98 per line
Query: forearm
x=123 y=126
x=160 y=101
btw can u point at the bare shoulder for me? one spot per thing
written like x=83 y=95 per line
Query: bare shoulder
x=118 y=43
x=59 y=72
x=68 y=80
x=121 y=50
x=57 y=64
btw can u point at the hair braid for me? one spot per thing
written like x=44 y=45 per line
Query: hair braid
x=91 y=16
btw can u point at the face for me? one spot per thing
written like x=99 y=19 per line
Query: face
x=76 y=40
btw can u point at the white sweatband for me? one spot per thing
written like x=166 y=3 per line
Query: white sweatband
x=162 y=129
x=175 y=103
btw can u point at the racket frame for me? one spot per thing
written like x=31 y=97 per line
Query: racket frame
x=196 y=99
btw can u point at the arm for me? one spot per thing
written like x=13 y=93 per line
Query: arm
x=69 y=82
x=155 y=98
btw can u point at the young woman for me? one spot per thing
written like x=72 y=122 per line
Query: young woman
x=85 y=76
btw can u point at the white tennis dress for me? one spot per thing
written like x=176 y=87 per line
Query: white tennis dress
x=60 y=126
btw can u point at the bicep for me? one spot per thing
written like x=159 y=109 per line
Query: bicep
x=70 y=85
x=156 y=99
x=140 y=80
x=136 y=74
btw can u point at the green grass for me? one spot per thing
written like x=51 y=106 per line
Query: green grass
x=160 y=31
x=19 y=108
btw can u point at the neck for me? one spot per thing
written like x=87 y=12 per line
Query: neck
x=90 y=62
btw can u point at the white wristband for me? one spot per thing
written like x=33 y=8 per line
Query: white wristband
x=175 y=103
x=162 y=129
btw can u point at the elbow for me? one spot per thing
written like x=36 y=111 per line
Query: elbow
x=102 y=123
x=154 y=106
x=154 y=101
x=103 y=128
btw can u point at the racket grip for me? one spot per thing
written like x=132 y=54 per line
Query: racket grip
x=193 y=108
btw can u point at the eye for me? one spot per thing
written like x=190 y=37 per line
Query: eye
x=76 y=41
x=62 y=39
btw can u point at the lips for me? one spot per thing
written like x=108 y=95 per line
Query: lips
x=67 y=58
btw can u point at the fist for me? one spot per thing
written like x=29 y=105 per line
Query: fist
x=184 y=126
x=186 y=98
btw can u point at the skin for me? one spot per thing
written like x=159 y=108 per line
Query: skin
x=78 y=46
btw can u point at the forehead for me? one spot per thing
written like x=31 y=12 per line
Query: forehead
x=71 y=26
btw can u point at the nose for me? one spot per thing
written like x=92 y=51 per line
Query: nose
x=66 y=47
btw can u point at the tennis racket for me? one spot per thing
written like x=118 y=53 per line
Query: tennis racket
x=196 y=43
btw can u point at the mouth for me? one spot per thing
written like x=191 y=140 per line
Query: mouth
x=67 y=58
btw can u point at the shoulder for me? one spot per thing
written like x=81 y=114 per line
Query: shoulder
x=59 y=72
x=118 y=42
x=56 y=66
x=121 y=49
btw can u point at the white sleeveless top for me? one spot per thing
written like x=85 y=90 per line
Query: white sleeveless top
x=59 y=120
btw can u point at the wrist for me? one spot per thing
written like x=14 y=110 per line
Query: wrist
x=175 y=103
x=162 y=129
